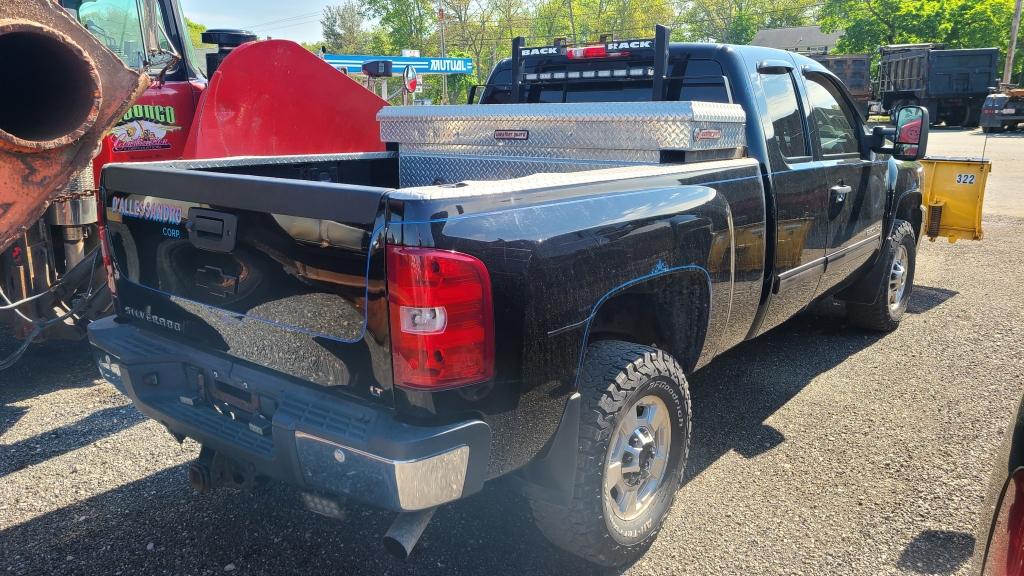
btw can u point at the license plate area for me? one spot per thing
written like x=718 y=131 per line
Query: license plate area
x=230 y=398
x=236 y=396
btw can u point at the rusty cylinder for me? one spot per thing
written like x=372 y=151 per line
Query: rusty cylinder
x=62 y=90
x=53 y=90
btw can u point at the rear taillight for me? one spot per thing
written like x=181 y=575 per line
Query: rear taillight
x=1005 y=555
x=105 y=252
x=442 y=318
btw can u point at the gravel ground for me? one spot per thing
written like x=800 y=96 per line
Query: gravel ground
x=817 y=449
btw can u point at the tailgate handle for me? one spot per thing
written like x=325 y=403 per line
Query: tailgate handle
x=212 y=230
x=208 y=226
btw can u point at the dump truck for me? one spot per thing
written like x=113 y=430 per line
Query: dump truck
x=512 y=289
x=855 y=72
x=951 y=84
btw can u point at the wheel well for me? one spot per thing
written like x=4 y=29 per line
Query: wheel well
x=669 y=313
x=909 y=209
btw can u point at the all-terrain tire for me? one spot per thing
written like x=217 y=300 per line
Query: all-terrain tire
x=883 y=315
x=615 y=376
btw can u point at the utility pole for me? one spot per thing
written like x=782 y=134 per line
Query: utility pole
x=444 y=77
x=572 y=23
x=1008 y=70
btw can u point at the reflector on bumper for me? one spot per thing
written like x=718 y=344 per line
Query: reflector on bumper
x=400 y=484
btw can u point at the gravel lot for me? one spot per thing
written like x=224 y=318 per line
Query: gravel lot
x=818 y=449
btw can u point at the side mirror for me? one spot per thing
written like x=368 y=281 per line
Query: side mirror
x=911 y=137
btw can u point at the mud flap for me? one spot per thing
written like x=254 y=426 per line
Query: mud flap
x=551 y=477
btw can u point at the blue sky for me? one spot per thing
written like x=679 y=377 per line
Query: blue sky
x=297 y=20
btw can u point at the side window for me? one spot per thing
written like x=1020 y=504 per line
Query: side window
x=784 y=112
x=831 y=121
x=118 y=25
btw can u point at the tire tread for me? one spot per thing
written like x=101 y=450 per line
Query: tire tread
x=611 y=372
x=876 y=316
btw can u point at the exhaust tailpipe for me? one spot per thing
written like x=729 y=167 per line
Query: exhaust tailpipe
x=405 y=532
x=63 y=90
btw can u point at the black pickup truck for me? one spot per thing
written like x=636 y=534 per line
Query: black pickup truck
x=516 y=288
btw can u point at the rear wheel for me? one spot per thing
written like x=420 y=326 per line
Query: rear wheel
x=973 y=117
x=634 y=439
x=890 y=304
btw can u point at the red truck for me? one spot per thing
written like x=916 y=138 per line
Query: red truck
x=52 y=266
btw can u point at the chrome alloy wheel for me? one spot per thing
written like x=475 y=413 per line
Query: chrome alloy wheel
x=637 y=458
x=898 y=277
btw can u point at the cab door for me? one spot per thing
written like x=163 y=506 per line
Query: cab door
x=801 y=231
x=854 y=184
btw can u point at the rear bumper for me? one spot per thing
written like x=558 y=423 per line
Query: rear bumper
x=999 y=120
x=311 y=438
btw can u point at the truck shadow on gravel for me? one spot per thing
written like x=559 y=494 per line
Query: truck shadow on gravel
x=493 y=532
x=44 y=368
x=742 y=388
x=735 y=394
x=270 y=533
x=926 y=298
x=53 y=443
x=937 y=552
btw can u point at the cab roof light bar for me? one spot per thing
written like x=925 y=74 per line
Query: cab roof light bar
x=660 y=69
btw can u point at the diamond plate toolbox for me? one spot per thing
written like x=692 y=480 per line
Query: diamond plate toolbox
x=452 y=143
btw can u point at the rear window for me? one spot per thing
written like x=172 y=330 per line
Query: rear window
x=700 y=80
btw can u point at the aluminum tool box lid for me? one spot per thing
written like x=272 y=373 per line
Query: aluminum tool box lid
x=688 y=126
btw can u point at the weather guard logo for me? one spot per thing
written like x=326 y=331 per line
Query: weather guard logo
x=511 y=134
x=707 y=134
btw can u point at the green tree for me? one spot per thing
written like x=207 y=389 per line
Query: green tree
x=343 y=31
x=407 y=23
x=195 y=33
x=737 y=21
x=869 y=24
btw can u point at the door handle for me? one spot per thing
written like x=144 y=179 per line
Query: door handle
x=839 y=192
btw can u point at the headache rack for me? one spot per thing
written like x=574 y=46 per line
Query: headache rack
x=655 y=69
x=660 y=68
x=450 y=144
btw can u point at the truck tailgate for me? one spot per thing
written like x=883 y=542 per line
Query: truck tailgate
x=267 y=270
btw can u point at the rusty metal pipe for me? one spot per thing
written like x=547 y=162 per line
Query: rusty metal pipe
x=63 y=89
x=54 y=93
